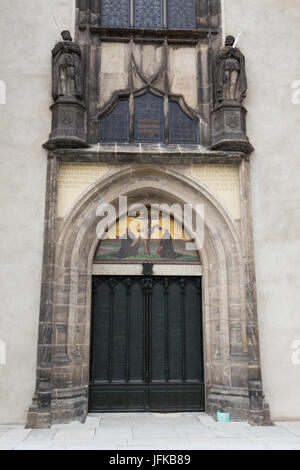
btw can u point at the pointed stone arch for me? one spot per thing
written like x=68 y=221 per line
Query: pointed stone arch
x=229 y=332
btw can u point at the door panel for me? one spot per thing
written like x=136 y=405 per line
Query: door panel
x=146 y=351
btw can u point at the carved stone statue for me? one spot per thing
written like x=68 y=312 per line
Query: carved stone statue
x=66 y=68
x=231 y=81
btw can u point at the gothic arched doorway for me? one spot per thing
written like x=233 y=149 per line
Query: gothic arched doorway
x=231 y=353
x=146 y=329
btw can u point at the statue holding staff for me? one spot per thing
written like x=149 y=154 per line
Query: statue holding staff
x=66 y=68
x=231 y=81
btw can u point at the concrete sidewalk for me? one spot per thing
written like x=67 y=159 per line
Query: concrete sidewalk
x=139 y=431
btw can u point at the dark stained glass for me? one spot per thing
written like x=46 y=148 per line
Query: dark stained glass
x=114 y=127
x=182 y=128
x=181 y=14
x=149 y=118
x=115 y=13
x=148 y=14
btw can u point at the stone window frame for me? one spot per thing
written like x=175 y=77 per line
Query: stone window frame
x=167 y=97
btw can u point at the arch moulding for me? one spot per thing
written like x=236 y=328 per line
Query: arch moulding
x=231 y=346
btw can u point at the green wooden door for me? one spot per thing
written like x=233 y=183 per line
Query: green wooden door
x=146 y=351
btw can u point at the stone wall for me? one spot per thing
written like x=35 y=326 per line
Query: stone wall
x=271 y=44
x=27 y=34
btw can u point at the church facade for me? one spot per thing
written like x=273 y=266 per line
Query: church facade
x=159 y=216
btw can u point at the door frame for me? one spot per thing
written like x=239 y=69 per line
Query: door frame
x=136 y=271
x=232 y=355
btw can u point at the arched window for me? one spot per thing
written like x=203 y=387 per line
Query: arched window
x=182 y=128
x=148 y=121
x=149 y=118
x=114 y=127
x=152 y=14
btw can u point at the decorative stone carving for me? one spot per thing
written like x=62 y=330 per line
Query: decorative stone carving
x=231 y=81
x=66 y=68
x=229 y=116
x=68 y=110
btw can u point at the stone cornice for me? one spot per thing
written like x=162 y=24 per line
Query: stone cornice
x=148 y=153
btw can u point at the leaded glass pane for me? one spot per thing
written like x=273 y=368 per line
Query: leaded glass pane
x=115 y=13
x=148 y=13
x=182 y=128
x=181 y=14
x=114 y=127
x=149 y=118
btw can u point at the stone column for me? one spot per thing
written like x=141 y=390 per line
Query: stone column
x=258 y=409
x=39 y=412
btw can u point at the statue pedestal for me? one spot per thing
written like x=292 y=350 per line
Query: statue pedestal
x=229 y=128
x=68 y=124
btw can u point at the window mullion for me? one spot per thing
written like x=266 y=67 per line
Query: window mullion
x=131 y=13
x=131 y=117
x=165 y=14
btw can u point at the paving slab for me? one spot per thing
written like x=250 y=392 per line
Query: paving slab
x=15 y=435
x=93 y=421
x=230 y=430
x=41 y=435
x=292 y=426
x=278 y=443
x=271 y=431
x=238 y=444
x=203 y=444
x=194 y=431
x=34 y=445
x=206 y=420
x=74 y=434
x=152 y=431
x=113 y=432
x=107 y=444
x=157 y=443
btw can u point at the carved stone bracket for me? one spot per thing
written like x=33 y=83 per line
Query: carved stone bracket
x=229 y=128
x=68 y=124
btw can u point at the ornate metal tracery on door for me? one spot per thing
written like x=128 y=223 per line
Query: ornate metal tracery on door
x=147 y=351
